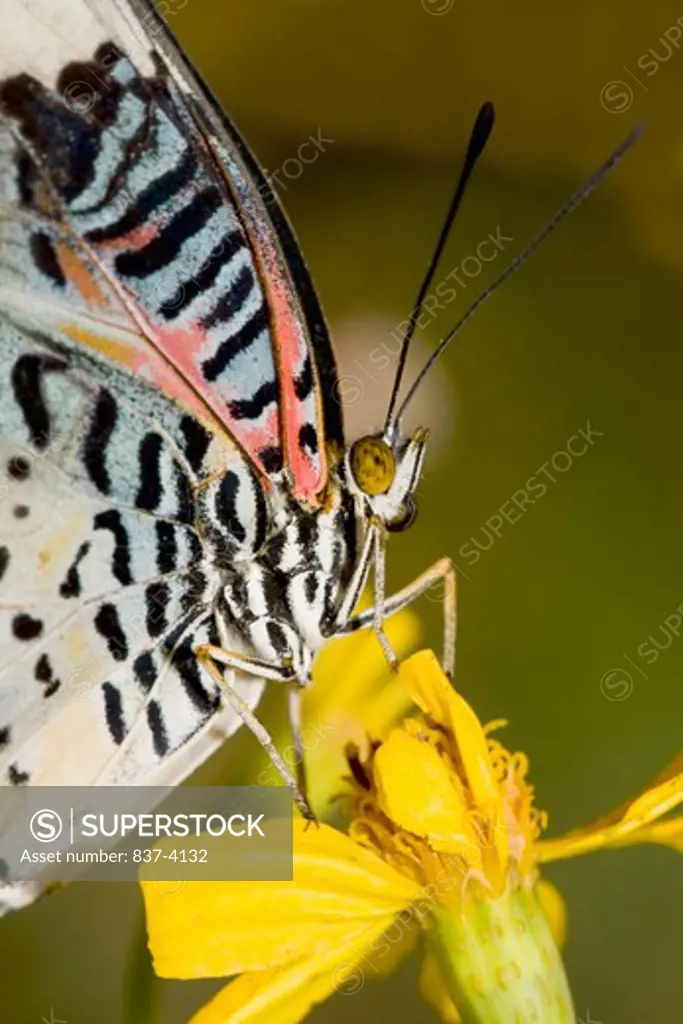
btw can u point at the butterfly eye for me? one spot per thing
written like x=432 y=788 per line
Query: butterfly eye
x=373 y=465
x=405 y=518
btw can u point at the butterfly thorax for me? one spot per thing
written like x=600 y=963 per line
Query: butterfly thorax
x=283 y=567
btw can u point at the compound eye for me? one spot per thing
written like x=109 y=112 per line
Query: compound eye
x=373 y=465
x=405 y=518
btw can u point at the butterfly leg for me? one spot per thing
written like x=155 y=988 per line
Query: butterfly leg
x=359 y=578
x=442 y=571
x=378 y=612
x=295 y=721
x=372 y=554
x=245 y=663
x=208 y=656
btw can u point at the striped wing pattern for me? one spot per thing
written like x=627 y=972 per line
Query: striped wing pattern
x=131 y=183
x=106 y=583
x=135 y=330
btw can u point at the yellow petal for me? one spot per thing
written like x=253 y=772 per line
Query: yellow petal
x=430 y=688
x=326 y=737
x=386 y=708
x=667 y=833
x=285 y=995
x=656 y=802
x=354 y=695
x=554 y=908
x=415 y=790
x=351 y=668
x=435 y=991
x=432 y=691
x=628 y=824
x=215 y=929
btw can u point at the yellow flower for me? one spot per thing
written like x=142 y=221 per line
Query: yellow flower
x=444 y=840
x=354 y=695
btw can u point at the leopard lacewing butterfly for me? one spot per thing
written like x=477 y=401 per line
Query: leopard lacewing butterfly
x=181 y=518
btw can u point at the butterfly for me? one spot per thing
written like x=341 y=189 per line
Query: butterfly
x=181 y=518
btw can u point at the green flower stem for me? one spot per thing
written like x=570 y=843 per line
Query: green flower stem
x=500 y=962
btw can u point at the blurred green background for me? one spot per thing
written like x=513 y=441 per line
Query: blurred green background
x=588 y=331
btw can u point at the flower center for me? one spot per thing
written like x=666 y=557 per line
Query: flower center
x=413 y=804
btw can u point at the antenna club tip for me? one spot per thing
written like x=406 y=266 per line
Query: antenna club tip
x=483 y=126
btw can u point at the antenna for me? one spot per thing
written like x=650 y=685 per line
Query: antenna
x=575 y=200
x=478 y=139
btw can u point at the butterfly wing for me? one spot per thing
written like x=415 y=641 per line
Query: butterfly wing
x=125 y=273
x=104 y=577
x=302 y=341
x=105 y=584
x=169 y=204
x=157 y=327
x=105 y=587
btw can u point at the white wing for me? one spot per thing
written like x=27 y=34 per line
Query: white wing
x=105 y=583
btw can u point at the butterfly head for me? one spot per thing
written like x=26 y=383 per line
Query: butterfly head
x=384 y=472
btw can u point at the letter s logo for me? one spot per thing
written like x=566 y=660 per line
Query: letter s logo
x=46 y=826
